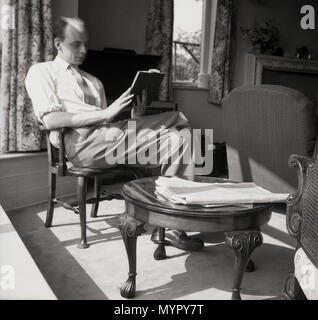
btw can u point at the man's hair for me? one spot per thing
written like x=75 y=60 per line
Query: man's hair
x=62 y=22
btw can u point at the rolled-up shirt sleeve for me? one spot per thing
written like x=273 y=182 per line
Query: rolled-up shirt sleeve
x=41 y=90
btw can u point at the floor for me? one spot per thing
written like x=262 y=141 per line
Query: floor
x=99 y=271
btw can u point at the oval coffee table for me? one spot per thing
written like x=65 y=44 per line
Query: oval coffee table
x=241 y=226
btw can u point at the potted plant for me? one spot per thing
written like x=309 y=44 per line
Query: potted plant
x=263 y=38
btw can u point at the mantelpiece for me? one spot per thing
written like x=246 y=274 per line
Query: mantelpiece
x=298 y=74
x=257 y=63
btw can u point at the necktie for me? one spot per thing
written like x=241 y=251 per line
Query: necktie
x=88 y=96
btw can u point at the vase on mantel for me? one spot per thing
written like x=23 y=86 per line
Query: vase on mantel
x=258 y=49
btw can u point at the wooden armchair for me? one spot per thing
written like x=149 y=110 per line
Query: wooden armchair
x=59 y=166
x=302 y=223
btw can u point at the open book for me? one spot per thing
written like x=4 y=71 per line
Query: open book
x=149 y=80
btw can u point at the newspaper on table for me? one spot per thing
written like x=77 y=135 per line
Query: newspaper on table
x=182 y=191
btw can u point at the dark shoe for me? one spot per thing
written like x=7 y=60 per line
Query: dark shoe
x=178 y=239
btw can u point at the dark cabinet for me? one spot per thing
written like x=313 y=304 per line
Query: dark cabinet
x=116 y=68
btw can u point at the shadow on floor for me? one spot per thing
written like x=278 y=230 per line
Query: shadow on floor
x=216 y=272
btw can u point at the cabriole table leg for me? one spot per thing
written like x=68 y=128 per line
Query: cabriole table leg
x=130 y=229
x=243 y=243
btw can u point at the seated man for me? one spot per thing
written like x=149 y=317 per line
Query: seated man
x=65 y=96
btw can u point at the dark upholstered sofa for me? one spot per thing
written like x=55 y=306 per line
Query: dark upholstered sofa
x=264 y=125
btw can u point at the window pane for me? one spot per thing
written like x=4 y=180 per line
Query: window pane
x=187 y=40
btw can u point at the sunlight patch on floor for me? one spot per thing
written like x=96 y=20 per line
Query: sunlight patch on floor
x=99 y=271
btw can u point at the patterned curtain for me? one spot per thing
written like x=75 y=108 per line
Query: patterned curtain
x=220 y=83
x=27 y=39
x=0 y=57
x=159 y=37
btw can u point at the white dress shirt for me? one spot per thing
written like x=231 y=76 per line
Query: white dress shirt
x=53 y=87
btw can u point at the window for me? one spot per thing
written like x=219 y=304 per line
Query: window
x=187 y=40
x=192 y=41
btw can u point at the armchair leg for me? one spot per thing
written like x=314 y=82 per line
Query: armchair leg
x=51 y=199
x=81 y=198
x=97 y=192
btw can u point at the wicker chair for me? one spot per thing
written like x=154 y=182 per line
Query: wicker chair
x=263 y=126
x=302 y=223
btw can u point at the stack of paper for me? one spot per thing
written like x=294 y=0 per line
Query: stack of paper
x=181 y=191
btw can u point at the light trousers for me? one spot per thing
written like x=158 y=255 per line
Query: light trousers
x=163 y=140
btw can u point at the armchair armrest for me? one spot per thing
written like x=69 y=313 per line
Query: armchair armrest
x=56 y=157
x=293 y=220
x=301 y=163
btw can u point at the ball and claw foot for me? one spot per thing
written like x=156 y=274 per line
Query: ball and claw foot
x=128 y=290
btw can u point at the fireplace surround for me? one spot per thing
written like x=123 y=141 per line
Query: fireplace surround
x=299 y=74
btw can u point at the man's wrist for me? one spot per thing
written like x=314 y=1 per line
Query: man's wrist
x=107 y=115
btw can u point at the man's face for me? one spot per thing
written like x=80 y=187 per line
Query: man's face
x=73 y=48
